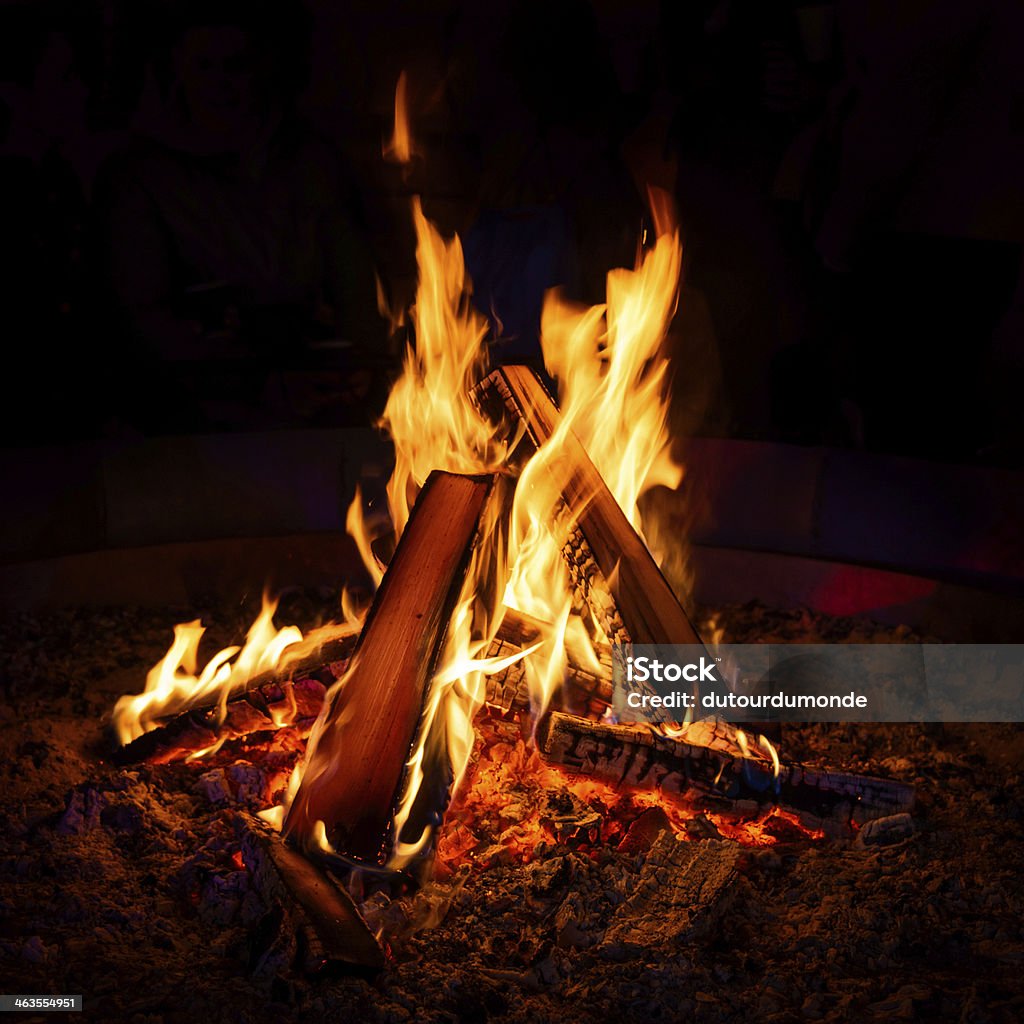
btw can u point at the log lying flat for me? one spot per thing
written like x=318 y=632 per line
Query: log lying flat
x=358 y=752
x=682 y=893
x=298 y=700
x=316 y=922
x=610 y=566
x=632 y=756
x=264 y=707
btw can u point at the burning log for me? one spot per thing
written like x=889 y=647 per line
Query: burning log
x=583 y=691
x=612 y=572
x=357 y=757
x=611 y=569
x=312 y=921
x=261 y=708
x=638 y=757
x=298 y=700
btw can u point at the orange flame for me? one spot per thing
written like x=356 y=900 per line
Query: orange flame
x=612 y=373
x=399 y=149
x=429 y=414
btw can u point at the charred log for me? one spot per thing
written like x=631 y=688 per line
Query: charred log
x=311 y=921
x=261 y=708
x=639 y=757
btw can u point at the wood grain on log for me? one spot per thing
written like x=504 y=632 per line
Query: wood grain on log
x=612 y=572
x=683 y=890
x=584 y=691
x=638 y=757
x=357 y=756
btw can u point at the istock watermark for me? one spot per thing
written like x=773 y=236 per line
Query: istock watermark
x=669 y=684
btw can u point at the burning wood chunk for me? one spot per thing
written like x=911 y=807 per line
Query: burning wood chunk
x=682 y=889
x=638 y=757
x=702 y=827
x=357 y=757
x=610 y=567
x=252 y=786
x=263 y=707
x=643 y=832
x=312 y=921
x=568 y=818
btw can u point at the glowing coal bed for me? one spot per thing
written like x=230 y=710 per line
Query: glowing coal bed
x=552 y=898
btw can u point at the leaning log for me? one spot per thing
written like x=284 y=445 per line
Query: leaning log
x=612 y=571
x=357 y=754
x=613 y=574
x=638 y=757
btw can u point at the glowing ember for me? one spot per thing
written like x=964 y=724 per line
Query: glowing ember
x=515 y=806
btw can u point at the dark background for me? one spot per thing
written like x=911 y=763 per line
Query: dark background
x=196 y=205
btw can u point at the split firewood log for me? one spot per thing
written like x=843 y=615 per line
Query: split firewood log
x=609 y=565
x=356 y=760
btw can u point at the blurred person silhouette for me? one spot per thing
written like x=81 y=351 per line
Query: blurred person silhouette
x=230 y=239
x=747 y=78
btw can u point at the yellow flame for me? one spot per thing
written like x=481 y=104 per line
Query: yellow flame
x=456 y=694
x=612 y=373
x=359 y=530
x=769 y=748
x=429 y=413
x=197 y=755
x=175 y=684
x=285 y=716
x=274 y=816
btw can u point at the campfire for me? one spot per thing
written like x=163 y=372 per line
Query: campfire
x=465 y=717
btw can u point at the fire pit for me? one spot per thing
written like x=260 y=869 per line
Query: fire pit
x=517 y=572
x=427 y=808
x=130 y=885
